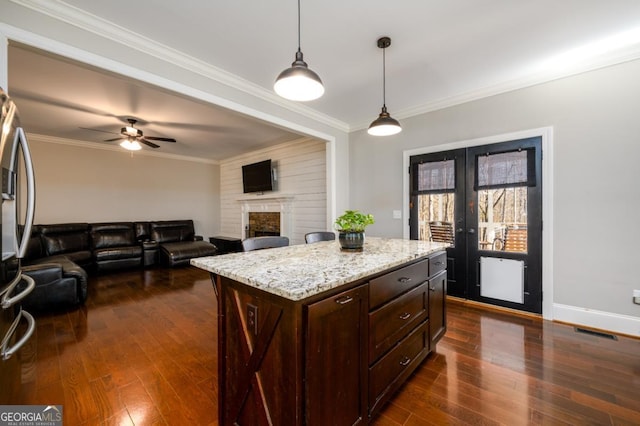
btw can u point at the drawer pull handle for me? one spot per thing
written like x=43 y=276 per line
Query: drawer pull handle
x=432 y=289
x=405 y=316
x=404 y=279
x=438 y=263
x=405 y=361
x=344 y=300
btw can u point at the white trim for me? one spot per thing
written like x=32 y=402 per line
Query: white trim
x=4 y=63
x=121 y=35
x=602 y=320
x=331 y=184
x=547 y=196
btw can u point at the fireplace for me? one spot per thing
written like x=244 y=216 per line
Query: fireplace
x=262 y=224
x=266 y=216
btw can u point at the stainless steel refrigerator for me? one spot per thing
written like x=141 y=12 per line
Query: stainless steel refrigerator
x=18 y=207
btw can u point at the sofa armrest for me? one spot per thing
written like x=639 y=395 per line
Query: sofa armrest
x=198 y=238
x=44 y=272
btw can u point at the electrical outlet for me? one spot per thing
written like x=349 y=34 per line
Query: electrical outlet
x=397 y=214
x=252 y=318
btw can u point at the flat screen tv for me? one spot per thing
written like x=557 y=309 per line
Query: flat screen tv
x=257 y=177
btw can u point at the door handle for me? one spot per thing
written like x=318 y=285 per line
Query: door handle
x=471 y=231
x=7 y=301
x=21 y=138
x=7 y=352
x=344 y=300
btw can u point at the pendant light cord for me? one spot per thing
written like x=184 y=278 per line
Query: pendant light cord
x=384 y=78
x=299 y=26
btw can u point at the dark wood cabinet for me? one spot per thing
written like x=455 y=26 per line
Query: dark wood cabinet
x=336 y=374
x=437 y=307
x=332 y=358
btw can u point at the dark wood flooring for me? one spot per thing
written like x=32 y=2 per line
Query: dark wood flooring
x=143 y=351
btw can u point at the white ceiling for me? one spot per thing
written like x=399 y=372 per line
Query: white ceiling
x=442 y=53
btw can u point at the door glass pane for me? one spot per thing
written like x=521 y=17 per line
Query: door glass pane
x=502 y=219
x=435 y=217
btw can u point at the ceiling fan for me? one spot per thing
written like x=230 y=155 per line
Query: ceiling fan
x=133 y=137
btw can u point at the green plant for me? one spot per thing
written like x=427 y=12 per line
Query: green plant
x=353 y=221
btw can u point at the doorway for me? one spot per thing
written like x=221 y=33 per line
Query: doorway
x=486 y=201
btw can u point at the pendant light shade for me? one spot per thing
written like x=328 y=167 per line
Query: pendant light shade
x=299 y=83
x=384 y=125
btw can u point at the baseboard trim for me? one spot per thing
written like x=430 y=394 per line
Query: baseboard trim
x=598 y=320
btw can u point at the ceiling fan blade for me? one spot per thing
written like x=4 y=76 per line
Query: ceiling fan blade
x=155 y=138
x=114 y=139
x=147 y=143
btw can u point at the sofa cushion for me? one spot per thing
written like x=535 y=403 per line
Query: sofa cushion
x=172 y=230
x=179 y=253
x=116 y=253
x=65 y=238
x=115 y=234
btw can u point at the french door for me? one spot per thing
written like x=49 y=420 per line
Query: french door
x=486 y=202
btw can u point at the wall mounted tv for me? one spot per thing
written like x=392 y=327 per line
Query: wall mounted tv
x=257 y=177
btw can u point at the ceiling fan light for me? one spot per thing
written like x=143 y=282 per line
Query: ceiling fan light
x=299 y=83
x=131 y=131
x=384 y=125
x=131 y=145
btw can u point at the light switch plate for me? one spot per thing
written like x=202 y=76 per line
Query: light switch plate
x=397 y=214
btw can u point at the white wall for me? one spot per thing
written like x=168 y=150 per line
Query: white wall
x=301 y=173
x=596 y=195
x=84 y=184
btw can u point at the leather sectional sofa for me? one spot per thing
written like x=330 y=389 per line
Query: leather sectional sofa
x=60 y=256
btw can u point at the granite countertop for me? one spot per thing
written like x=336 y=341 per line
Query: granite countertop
x=300 y=271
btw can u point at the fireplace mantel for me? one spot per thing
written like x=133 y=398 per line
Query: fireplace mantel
x=268 y=198
x=271 y=203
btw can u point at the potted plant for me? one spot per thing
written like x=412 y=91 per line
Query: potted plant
x=351 y=225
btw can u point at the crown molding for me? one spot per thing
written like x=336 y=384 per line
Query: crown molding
x=111 y=31
x=114 y=148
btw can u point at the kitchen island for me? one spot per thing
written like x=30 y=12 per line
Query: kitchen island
x=311 y=334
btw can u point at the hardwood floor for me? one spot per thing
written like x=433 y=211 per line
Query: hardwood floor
x=143 y=351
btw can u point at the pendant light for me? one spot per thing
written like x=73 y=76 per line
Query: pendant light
x=384 y=125
x=299 y=83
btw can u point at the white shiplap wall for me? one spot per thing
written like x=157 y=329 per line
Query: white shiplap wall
x=301 y=174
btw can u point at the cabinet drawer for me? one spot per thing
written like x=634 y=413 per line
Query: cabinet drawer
x=388 y=286
x=437 y=263
x=393 y=368
x=391 y=322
